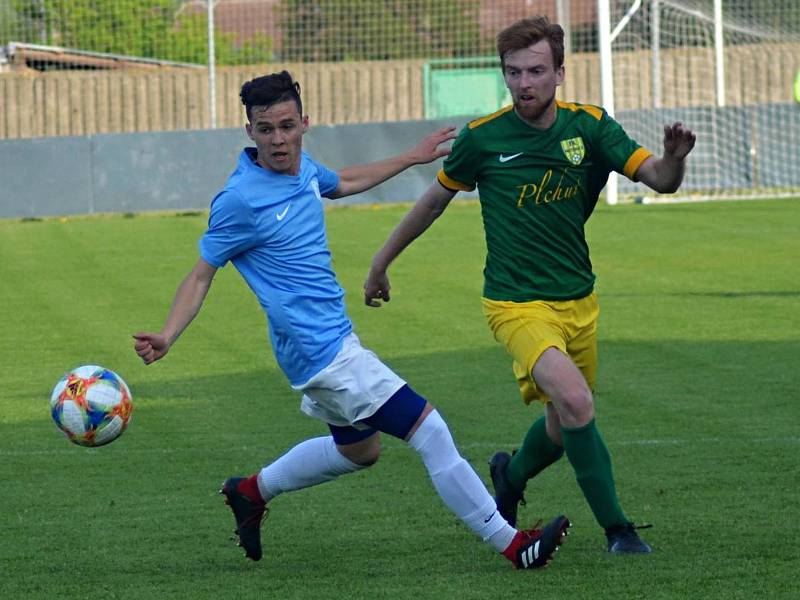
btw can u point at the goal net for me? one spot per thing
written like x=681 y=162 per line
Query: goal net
x=727 y=72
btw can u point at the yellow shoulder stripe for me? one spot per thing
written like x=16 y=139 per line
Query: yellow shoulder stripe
x=452 y=184
x=595 y=111
x=487 y=118
x=635 y=161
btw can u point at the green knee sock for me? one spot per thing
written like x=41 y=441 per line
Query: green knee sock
x=538 y=452
x=588 y=454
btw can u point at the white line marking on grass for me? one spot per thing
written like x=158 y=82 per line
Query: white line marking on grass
x=392 y=444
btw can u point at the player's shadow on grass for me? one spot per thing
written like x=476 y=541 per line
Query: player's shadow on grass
x=751 y=294
x=718 y=294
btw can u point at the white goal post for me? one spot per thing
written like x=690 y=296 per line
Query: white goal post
x=723 y=67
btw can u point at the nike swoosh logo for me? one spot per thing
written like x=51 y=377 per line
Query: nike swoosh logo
x=489 y=518
x=503 y=158
x=280 y=215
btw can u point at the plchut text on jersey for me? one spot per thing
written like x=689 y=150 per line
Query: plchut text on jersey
x=544 y=192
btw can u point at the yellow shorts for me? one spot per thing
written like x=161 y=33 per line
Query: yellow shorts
x=527 y=329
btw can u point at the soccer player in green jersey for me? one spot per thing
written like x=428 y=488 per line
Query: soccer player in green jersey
x=540 y=165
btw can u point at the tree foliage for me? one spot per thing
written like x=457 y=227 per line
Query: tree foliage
x=157 y=29
x=336 y=30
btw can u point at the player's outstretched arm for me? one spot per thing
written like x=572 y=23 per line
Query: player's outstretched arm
x=188 y=299
x=665 y=174
x=353 y=180
x=427 y=209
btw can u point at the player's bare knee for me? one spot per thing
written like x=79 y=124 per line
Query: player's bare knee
x=363 y=455
x=363 y=460
x=369 y=458
x=576 y=407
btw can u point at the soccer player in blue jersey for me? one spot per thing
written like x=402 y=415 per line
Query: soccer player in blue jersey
x=268 y=221
x=540 y=165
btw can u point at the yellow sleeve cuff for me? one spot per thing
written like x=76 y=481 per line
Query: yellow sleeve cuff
x=452 y=184
x=635 y=161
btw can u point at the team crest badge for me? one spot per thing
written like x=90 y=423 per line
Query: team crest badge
x=573 y=150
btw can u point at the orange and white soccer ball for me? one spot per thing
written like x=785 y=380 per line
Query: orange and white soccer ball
x=91 y=405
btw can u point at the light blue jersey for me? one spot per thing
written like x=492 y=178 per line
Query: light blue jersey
x=272 y=228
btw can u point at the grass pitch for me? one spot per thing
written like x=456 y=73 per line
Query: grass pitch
x=697 y=399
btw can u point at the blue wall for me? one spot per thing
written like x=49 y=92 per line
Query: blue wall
x=180 y=170
x=741 y=147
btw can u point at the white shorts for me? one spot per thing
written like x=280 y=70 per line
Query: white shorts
x=353 y=387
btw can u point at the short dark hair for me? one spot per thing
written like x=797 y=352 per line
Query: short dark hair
x=527 y=32
x=269 y=90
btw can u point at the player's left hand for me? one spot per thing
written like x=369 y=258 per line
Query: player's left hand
x=678 y=140
x=376 y=286
x=428 y=150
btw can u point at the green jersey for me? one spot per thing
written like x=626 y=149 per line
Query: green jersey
x=537 y=189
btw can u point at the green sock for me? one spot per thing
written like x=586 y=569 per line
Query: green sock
x=538 y=452
x=588 y=454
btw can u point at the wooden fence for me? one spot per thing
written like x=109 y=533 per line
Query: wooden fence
x=35 y=104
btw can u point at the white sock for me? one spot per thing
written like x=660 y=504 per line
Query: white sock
x=458 y=484
x=309 y=463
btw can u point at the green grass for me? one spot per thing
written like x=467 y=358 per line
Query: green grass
x=697 y=399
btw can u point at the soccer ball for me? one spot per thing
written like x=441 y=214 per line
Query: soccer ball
x=91 y=405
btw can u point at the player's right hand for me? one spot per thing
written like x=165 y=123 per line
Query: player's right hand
x=428 y=149
x=376 y=288
x=150 y=346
